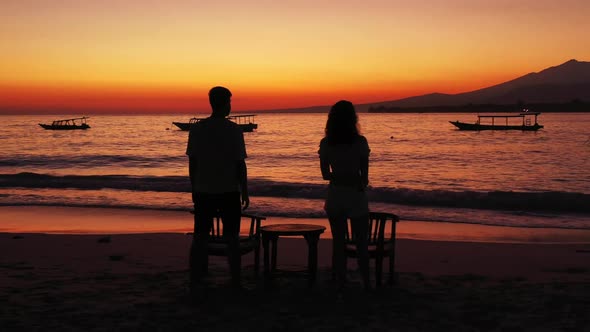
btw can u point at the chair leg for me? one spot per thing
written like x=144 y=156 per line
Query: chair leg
x=392 y=264
x=391 y=271
x=333 y=266
x=234 y=258
x=378 y=270
x=392 y=275
x=256 y=259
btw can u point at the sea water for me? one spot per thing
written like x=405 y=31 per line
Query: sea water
x=421 y=167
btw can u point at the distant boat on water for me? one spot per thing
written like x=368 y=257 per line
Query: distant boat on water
x=245 y=121
x=67 y=124
x=521 y=121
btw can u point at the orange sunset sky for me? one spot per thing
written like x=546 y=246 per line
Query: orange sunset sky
x=133 y=56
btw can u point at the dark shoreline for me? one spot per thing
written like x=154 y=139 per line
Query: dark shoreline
x=140 y=282
x=572 y=107
x=569 y=107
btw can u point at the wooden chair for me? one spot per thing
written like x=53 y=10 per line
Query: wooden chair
x=217 y=246
x=381 y=243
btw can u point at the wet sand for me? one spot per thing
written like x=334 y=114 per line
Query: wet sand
x=139 y=281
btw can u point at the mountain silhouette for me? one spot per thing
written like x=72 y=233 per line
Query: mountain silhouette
x=565 y=83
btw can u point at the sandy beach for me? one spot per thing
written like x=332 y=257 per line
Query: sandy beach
x=508 y=280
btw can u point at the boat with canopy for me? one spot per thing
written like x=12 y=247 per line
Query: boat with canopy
x=523 y=121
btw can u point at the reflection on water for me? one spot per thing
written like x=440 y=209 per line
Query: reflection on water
x=414 y=151
x=412 y=156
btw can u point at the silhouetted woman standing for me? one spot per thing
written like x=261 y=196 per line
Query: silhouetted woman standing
x=344 y=161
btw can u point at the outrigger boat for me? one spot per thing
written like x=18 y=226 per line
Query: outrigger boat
x=496 y=123
x=246 y=122
x=67 y=124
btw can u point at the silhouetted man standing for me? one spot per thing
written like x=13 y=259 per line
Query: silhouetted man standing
x=218 y=174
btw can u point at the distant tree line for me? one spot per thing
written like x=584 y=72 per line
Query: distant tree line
x=575 y=105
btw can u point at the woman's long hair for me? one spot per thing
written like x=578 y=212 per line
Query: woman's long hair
x=342 y=124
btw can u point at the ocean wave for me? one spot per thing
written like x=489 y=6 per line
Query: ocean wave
x=493 y=200
x=100 y=206
x=96 y=160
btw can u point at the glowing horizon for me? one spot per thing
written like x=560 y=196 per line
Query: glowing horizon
x=152 y=56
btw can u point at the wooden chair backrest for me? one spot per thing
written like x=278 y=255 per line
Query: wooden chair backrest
x=377 y=228
x=253 y=230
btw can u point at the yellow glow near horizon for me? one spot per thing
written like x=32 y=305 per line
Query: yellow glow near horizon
x=300 y=53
